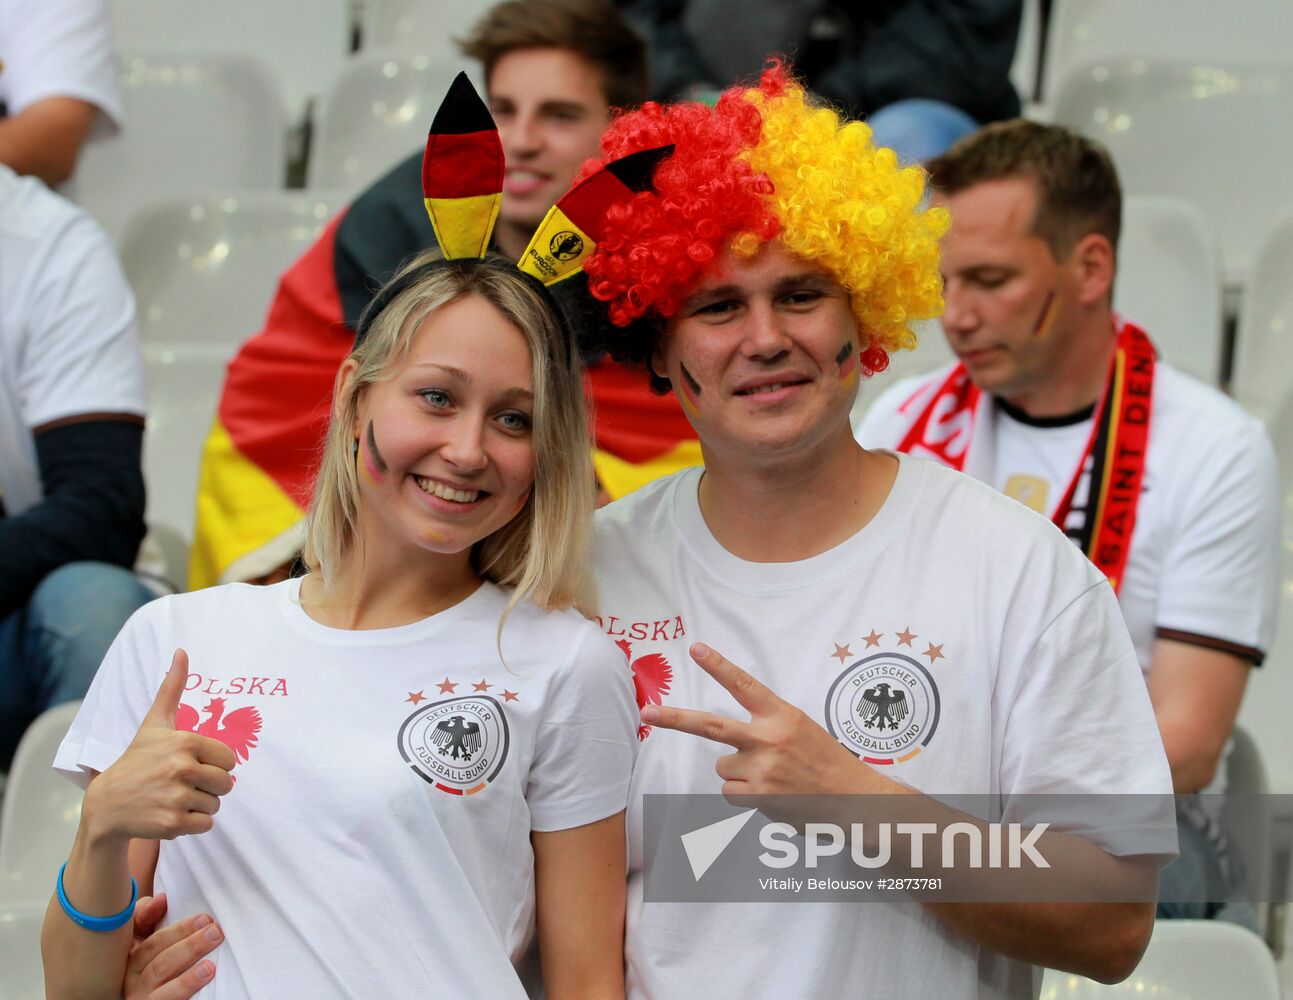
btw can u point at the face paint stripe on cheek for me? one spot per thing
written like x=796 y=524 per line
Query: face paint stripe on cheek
x=373 y=460
x=690 y=390
x=847 y=359
x=1047 y=315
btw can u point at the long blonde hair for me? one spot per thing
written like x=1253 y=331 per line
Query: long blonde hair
x=542 y=552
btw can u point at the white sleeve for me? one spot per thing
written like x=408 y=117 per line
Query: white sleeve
x=1080 y=746
x=83 y=351
x=1220 y=582
x=587 y=741
x=58 y=48
x=118 y=699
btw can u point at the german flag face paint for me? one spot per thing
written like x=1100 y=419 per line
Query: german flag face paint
x=462 y=172
x=690 y=395
x=847 y=359
x=572 y=227
x=1046 y=318
x=374 y=463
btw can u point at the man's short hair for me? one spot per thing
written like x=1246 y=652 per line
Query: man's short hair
x=592 y=29
x=1077 y=186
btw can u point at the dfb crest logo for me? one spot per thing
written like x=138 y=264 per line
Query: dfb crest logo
x=458 y=745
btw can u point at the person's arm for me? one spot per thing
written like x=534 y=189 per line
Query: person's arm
x=1196 y=694
x=165 y=785
x=781 y=752
x=579 y=879
x=1216 y=595
x=92 y=505
x=171 y=963
x=45 y=139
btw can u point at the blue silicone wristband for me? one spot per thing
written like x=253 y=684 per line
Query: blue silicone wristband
x=96 y=923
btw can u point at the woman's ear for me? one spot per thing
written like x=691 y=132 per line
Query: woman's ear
x=342 y=386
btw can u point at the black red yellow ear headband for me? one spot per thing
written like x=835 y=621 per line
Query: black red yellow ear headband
x=462 y=184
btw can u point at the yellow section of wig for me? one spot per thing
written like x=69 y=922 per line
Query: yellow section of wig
x=845 y=204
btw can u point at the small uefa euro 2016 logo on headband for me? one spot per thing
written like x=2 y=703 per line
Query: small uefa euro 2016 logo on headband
x=459 y=745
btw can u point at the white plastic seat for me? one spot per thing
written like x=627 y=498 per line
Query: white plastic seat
x=194 y=124
x=204 y=270
x=22 y=977
x=424 y=27
x=305 y=41
x=376 y=115
x=1209 y=133
x=1263 y=383
x=183 y=390
x=1082 y=31
x=1023 y=69
x=1169 y=282
x=1186 y=960
x=40 y=815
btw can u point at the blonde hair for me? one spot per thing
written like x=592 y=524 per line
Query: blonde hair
x=542 y=553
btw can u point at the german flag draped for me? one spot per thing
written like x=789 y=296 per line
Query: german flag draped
x=259 y=460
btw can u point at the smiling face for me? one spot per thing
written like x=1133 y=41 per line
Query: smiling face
x=1010 y=304
x=763 y=355
x=445 y=453
x=550 y=107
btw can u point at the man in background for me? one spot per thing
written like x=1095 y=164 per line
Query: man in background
x=1167 y=484
x=57 y=83
x=556 y=71
x=71 y=433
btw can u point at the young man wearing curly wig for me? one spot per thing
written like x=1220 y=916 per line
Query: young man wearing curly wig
x=904 y=630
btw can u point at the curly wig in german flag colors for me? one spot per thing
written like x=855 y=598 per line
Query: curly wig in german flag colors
x=766 y=163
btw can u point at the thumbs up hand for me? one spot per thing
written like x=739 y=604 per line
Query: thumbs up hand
x=167 y=783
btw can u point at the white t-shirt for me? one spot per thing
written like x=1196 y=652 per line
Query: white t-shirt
x=1204 y=560
x=997 y=629
x=377 y=842
x=69 y=341
x=59 y=48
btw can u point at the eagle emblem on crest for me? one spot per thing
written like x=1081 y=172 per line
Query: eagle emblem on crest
x=456 y=738
x=882 y=708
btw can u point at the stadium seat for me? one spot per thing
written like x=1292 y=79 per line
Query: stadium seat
x=1263 y=375
x=1169 y=282
x=195 y=124
x=1210 y=133
x=376 y=114
x=1263 y=383
x=1186 y=960
x=305 y=41
x=23 y=977
x=1028 y=46
x=40 y=813
x=204 y=270
x=1082 y=31
x=183 y=389
x=422 y=27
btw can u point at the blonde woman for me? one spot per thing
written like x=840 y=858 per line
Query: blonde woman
x=415 y=750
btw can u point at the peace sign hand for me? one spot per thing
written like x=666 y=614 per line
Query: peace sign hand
x=780 y=751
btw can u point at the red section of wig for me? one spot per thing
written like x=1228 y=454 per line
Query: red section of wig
x=658 y=245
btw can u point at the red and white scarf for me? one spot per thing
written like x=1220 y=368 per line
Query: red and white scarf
x=944 y=431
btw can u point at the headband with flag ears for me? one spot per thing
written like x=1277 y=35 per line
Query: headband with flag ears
x=462 y=186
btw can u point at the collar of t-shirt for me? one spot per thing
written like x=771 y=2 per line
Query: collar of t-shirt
x=1037 y=457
